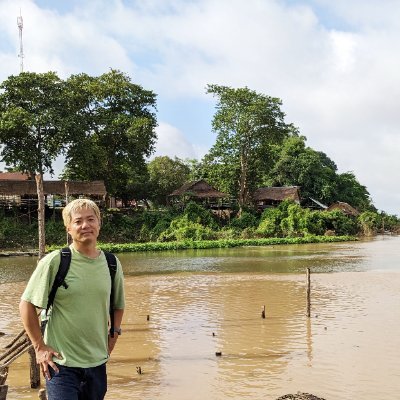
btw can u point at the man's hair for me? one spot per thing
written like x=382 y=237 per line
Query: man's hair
x=77 y=205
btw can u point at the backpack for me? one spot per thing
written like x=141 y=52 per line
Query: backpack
x=59 y=280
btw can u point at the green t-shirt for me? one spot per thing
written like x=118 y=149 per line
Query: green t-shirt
x=78 y=322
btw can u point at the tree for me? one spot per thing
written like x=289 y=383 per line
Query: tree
x=351 y=191
x=116 y=132
x=166 y=175
x=299 y=165
x=316 y=174
x=247 y=125
x=34 y=125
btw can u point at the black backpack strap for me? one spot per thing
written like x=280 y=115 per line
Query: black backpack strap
x=112 y=266
x=65 y=261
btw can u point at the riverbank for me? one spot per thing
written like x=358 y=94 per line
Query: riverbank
x=195 y=244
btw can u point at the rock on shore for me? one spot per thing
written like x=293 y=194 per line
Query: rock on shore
x=299 y=396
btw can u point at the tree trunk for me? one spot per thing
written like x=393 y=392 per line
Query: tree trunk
x=41 y=216
x=243 y=183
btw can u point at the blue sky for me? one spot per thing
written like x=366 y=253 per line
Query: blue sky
x=334 y=64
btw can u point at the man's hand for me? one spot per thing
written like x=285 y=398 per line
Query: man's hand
x=44 y=357
x=111 y=342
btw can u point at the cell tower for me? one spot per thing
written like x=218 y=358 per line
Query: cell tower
x=20 y=24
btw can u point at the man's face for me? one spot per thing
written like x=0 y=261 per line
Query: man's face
x=84 y=226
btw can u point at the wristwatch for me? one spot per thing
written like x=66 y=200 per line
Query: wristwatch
x=116 y=330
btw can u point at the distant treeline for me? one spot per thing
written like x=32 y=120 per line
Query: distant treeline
x=196 y=223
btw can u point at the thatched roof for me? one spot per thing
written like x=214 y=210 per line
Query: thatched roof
x=277 y=193
x=344 y=207
x=200 y=189
x=13 y=176
x=21 y=188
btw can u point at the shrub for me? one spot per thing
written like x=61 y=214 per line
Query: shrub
x=197 y=213
x=341 y=223
x=270 y=222
x=245 y=220
x=368 y=223
x=184 y=229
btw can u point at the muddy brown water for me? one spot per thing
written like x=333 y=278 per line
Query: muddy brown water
x=201 y=303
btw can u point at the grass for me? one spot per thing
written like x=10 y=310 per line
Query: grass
x=213 y=244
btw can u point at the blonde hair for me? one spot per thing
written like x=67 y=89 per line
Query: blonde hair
x=77 y=205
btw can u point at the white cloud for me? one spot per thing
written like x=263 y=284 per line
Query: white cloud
x=171 y=142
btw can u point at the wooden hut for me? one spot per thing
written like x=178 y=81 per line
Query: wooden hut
x=19 y=192
x=272 y=196
x=198 y=190
x=344 y=207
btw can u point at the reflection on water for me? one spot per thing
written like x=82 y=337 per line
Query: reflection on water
x=182 y=309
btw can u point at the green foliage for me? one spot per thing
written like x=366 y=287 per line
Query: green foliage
x=291 y=220
x=270 y=222
x=116 y=132
x=292 y=225
x=314 y=222
x=247 y=125
x=298 y=165
x=197 y=213
x=139 y=227
x=55 y=232
x=215 y=244
x=184 y=228
x=34 y=121
x=166 y=175
x=352 y=192
x=390 y=222
x=16 y=235
x=369 y=223
x=340 y=223
x=316 y=174
x=245 y=220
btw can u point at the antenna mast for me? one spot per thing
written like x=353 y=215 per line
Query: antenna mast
x=20 y=24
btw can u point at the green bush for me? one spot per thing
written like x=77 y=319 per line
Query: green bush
x=340 y=223
x=269 y=225
x=314 y=223
x=293 y=224
x=197 y=213
x=244 y=221
x=227 y=233
x=55 y=232
x=184 y=229
x=368 y=223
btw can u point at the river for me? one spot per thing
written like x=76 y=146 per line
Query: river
x=185 y=307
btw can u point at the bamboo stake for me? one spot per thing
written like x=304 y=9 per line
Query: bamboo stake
x=308 y=292
x=3 y=392
x=34 y=369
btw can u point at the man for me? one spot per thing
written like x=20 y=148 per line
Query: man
x=77 y=342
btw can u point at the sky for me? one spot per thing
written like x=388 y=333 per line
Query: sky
x=334 y=65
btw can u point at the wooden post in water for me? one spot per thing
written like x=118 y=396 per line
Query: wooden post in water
x=3 y=386
x=34 y=369
x=308 y=292
x=3 y=392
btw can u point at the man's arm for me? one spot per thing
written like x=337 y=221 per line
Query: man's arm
x=118 y=314
x=44 y=353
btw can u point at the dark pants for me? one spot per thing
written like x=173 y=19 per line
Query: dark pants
x=77 y=383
